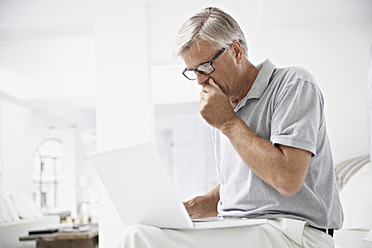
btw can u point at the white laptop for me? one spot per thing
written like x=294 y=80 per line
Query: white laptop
x=143 y=193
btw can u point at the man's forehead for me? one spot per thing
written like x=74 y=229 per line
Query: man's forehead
x=199 y=52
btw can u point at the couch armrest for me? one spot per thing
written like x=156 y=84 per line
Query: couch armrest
x=11 y=231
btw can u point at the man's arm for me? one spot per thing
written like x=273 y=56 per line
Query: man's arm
x=204 y=206
x=282 y=167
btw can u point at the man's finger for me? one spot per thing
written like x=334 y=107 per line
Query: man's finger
x=212 y=83
x=209 y=88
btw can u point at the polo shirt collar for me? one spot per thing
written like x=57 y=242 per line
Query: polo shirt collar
x=260 y=84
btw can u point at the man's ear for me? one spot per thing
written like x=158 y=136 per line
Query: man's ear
x=237 y=51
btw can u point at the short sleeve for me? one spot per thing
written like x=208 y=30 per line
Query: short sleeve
x=296 y=116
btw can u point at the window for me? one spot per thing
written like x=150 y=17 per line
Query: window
x=47 y=173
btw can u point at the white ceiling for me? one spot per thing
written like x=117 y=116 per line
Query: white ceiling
x=47 y=49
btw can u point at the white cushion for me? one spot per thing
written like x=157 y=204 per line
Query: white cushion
x=24 y=212
x=35 y=210
x=356 y=200
x=4 y=212
x=368 y=237
x=11 y=208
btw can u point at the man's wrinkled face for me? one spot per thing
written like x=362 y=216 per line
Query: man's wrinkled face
x=201 y=52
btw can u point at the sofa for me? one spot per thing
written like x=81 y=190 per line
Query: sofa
x=354 y=178
x=18 y=215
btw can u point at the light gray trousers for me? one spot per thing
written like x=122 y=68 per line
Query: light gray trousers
x=276 y=233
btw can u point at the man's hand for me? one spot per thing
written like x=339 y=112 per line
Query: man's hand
x=204 y=206
x=215 y=107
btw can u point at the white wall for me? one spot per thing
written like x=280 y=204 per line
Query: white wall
x=124 y=109
x=185 y=145
x=15 y=146
x=195 y=171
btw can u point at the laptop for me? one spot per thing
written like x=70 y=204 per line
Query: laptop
x=142 y=192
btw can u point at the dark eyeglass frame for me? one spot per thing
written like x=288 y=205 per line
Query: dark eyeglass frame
x=210 y=62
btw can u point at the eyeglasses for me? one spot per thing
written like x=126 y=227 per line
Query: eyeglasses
x=205 y=68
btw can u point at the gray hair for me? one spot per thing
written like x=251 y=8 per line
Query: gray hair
x=212 y=25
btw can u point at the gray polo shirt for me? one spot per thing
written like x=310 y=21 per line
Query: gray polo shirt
x=284 y=106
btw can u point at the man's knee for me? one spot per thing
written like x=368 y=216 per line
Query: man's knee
x=136 y=236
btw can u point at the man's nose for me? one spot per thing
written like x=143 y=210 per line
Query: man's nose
x=202 y=79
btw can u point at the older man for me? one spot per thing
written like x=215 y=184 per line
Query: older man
x=273 y=156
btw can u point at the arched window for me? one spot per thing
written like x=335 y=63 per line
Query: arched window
x=47 y=173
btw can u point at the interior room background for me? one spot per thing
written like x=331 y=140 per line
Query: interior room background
x=97 y=75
